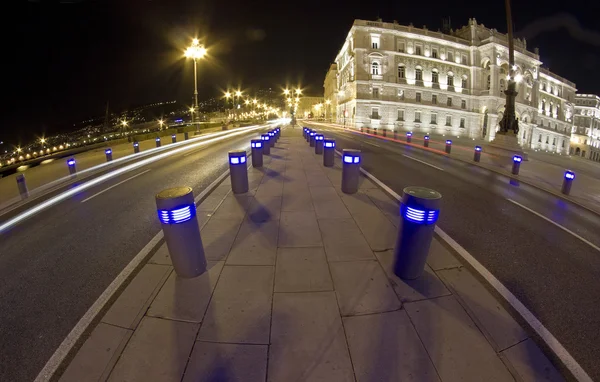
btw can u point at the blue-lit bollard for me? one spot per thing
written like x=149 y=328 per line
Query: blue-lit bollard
x=304 y=132
x=516 y=164
x=318 y=144
x=426 y=141
x=71 y=166
x=328 y=152
x=448 y=146
x=173 y=138
x=567 y=181
x=307 y=136
x=350 y=171
x=136 y=147
x=157 y=141
x=22 y=185
x=271 y=138
x=477 y=154
x=408 y=137
x=257 y=152
x=186 y=136
x=238 y=171
x=266 y=146
x=311 y=140
x=419 y=209
x=177 y=215
x=108 y=153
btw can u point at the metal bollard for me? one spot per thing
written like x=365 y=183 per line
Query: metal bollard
x=328 y=152
x=177 y=215
x=419 y=209
x=567 y=181
x=395 y=134
x=271 y=138
x=304 y=132
x=186 y=136
x=350 y=171
x=257 y=152
x=108 y=153
x=368 y=130
x=409 y=137
x=71 y=166
x=136 y=147
x=362 y=129
x=238 y=171
x=311 y=140
x=266 y=149
x=173 y=138
x=318 y=144
x=22 y=185
x=448 y=146
x=426 y=141
x=516 y=164
x=477 y=154
x=384 y=132
x=308 y=135
x=157 y=141
x=375 y=131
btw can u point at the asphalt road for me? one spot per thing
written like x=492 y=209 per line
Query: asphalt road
x=56 y=264
x=555 y=274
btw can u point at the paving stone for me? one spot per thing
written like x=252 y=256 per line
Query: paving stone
x=343 y=240
x=494 y=321
x=157 y=351
x=426 y=286
x=299 y=229
x=214 y=199
x=203 y=217
x=383 y=201
x=130 y=306
x=270 y=189
x=233 y=207
x=186 y=299
x=295 y=174
x=98 y=354
x=386 y=347
x=240 y=310
x=455 y=345
x=264 y=208
x=323 y=193
x=255 y=244
x=227 y=362
x=161 y=256
x=307 y=339
x=359 y=203
x=362 y=287
x=296 y=198
x=317 y=178
x=302 y=270
x=218 y=236
x=440 y=258
x=379 y=232
x=530 y=364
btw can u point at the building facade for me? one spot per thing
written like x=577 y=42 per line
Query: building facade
x=330 y=93
x=585 y=138
x=396 y=77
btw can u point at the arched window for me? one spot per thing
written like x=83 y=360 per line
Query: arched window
x=464 y=82
x=435 y=76
x=419 y=73
x=375 y=68
x=450 y=81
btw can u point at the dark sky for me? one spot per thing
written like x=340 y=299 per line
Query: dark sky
x=64 y=59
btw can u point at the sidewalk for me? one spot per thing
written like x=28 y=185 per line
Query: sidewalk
x=300 y=288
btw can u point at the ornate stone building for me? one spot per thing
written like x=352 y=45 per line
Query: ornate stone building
x=585 y=139
x=330 y=92
x=391 y=76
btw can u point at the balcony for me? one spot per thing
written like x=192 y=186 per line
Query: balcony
x=376 y=77
x=419 y=83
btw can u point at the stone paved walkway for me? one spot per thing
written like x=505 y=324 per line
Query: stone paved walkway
x=300 y=288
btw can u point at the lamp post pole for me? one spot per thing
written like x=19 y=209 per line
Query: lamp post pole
x=195 y=52
x=509 y=124
x=194 y=115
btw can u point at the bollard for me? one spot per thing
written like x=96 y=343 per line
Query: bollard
x=409 y=137
x=350 y=171
x=477 y=154
x=266 y=147
x=308 y=135
x=311 y=140
x=448 y=146
x=257 y=152
x=22 y=185
x=516 y=164
x=271 y=138
x=71 y=165
x=362 y=129
x=177 y=215
x=304 y=132
x=426 y=141
x=384 y=131
x=419 y=209
x=108 y=153
x=136 y=147
x=567 y=181
x=319 y=144
x=375 y=131
x=157 y=141
x=395 y=134
x=173 y=138
x=238 y=171
x=368 y=130
x=186 y=136
x=328 y=152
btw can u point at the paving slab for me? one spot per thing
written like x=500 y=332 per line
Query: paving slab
x=240 y=310
x=327 y=203
x=302 y=270
x=343 y=240
x=269 y=189
x=227 y=362
x=218 y=236
x=307 y=339
x=296 y=198
x=379 y=232
x=386 y=347
x=440 y=258
x=264 y=208
x=255 y=244
x=317 y=178
x=131 y=305
x=455 y=345
x=531 y=365
x=359 y=203
x=157 y=351
x=362 y=287
x=161 y=256
x=186 y=299
x=299 y=229
x=233 y=207
x=212 y=201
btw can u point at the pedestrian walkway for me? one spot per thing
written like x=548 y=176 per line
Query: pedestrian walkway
x=300 y=288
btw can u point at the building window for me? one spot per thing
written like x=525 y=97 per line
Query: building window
x=462 y=123
x=450 y=56
x=401 y=94
x=401 y=71
x=433 y=118
x=547 y=139
x=463 y=104
x=418 y=50
x=375 y=92
x=448 y=120
x=434 y=99
x=419 y=74
x=375 y=68
x=540 y=138
x=417 y=116
x=435 y=77
x=401 y=47
x=450 y=81
x=554 y=141
x=562 y=144
x=400 y=115
x=463 y=59
x=418 y=97
x=464 y=83
x=375 y=42
x=434 y=53
x=374 y=113
x=449 y=102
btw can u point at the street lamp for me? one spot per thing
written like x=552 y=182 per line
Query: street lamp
x=195 y=52
x=161 y=123
x=509 y=124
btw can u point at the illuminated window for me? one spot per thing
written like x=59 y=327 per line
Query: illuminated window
x=434 y=99
x=417 y=116
x=375 y=68
x=375 y=42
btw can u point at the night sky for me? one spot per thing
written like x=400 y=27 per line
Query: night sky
x=64 y=59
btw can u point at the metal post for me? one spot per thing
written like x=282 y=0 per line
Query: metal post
x=186 y=136
x=419 y=209
x=173 y=138
x=177 y=215
x=516 y=164
x=108 y=153
x=350 y=170
x=196 y=108
x=384 y=130
x=368 y=130
x=319 y=144
x=266 y=146
x=312 y=138
x=362 y=129
x=307 y=135
x=426 y=141
x=22 y=185
x=328 y=152
x=448 y=146
x=304 y=132
x=375 y=131
x=238 y=171
x=71 y=166
x=157 y=141
x=477 y=154
x=271 y=138
x=136 y=147
x=408 y=137
x=395 y=134
x=567 y=181
x=257 y=152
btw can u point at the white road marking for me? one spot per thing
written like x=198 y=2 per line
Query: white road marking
x=556 y=224
x=372 y=144
x=428 y=164
x=114 y=185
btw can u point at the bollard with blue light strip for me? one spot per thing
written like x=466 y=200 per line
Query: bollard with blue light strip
x=426 y=141
x=328 y=152
x=307 y=135
x=304 y=132
x=71 y=166
x=177 y=215
x=238 y=171
x=409 y=137
x=271 y=138
x=108 y=153
x=157 y=141
x=266 y=147
x=477 y=154
x=311 y=140
x=22 y=185
x=136 y=147
x=257 y=152
x=517 y=159
x=419 y=210
x=448 y=146
x=173 y=138
x=350 y=170
x=567 y=181
x=319 y=144
x=186 y=136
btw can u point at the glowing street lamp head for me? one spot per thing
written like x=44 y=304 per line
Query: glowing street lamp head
x=254 y=101
x=227 y=95
x=124 y=123
x=238 y=93
x=196 y=51
x=161 y=122
x=298 y=91
x=286 y=91
x=42 y=140
x=247 y=102
x=192 y=109
x=18 y=149
x=328 y=102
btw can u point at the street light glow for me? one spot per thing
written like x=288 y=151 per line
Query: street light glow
x=196 y=51
x=124 y=123
x=238 y=93
x=227 y=95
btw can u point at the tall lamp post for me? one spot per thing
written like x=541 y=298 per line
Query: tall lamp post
x=195 y=52
x=509 y=124
x=238 y=96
